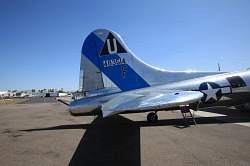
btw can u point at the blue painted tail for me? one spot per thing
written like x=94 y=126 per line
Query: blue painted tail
x=110 y=58
x=106 y=62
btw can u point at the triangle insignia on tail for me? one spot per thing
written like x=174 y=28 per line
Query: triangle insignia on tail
x=112 y=46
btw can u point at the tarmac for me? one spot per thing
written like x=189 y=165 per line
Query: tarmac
x=42 y=132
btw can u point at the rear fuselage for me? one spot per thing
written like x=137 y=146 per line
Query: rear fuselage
x=106 y=62
x=222 y=89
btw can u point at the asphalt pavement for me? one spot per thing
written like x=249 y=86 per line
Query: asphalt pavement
x=44 y=133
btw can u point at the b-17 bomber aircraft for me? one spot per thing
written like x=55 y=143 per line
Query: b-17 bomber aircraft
x=115 y=81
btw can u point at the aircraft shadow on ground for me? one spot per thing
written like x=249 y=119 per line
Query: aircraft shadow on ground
x=112 y=141
x=108 y=142
x=116 y=140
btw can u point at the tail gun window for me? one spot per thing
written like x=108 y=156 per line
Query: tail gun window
x=236 y=81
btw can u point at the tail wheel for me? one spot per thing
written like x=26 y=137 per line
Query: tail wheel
x=152 y=117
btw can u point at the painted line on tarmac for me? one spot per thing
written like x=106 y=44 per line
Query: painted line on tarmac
x=210 y=114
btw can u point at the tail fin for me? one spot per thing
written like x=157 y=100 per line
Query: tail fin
x=106 y=62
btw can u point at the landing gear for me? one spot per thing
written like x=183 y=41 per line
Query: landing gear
x=186 y=113
x=152 y=117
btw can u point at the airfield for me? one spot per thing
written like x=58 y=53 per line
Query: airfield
x=42 y=132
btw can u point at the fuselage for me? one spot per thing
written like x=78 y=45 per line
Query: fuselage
x=224 y=89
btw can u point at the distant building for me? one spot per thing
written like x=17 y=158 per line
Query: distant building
x=7 y=94
x=34 y=93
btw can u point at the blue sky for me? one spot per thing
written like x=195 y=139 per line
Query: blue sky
x=40 y=41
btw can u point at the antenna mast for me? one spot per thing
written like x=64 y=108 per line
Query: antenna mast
x=219 y=69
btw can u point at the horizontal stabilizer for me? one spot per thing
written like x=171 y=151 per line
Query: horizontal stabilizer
x=64 y=100
x=132 y=101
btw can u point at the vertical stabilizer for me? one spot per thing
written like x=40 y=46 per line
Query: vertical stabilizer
x=107 y=62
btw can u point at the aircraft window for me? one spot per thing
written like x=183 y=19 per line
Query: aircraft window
x=236 y=81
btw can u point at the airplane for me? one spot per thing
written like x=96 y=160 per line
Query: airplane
x=115 y=81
